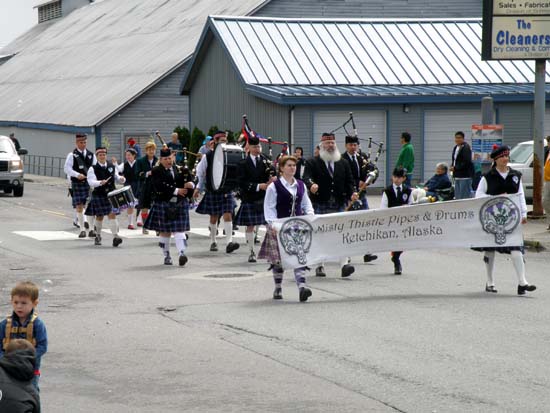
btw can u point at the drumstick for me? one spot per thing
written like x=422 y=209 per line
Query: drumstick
x=106 y=180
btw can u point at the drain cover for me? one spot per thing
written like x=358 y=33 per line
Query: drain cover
x=228 y=275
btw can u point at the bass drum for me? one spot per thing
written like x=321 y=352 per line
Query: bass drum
x=225 y=174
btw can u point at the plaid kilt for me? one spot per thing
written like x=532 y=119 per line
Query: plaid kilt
x=100 y=206
x=250 y=213
x=81 y=192
x=501 y=250
x=214 y=203
x=270 y=248
x=327 y=207
x=157 y=220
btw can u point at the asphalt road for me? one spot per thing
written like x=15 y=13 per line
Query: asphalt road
x=127 y=334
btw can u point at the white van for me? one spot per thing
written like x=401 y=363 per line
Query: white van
x=521 y=159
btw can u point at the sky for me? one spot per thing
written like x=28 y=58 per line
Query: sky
x=16 y=17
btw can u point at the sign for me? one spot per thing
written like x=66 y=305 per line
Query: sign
x=478 y=222
x=516 y=29
x=483 y=139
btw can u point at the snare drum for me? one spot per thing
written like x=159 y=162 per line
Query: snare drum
x=226 y=159
x=122 y=198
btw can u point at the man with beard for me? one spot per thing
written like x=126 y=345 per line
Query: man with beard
x=330 y=181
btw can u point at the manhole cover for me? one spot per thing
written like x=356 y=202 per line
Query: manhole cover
x=234 y=275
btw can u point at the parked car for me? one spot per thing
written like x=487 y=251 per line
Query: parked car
x=11 y=167
x=521 y=159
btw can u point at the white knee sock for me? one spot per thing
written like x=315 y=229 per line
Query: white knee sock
x=489 y=259
x=113 y=224
x=181 y=244
x=250 y=240
x=519 y=265
x=228 y=227
x=213 y=229
x=80 y=217
x=164 y=243
x=98 y=226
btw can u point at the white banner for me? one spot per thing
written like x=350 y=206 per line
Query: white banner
x=479 y=222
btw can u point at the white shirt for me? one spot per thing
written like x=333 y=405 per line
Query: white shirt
x=270 y=201
x=94 y=183
x=68 y=168
x=201 y=173
x=481 y=192
x=384 y=202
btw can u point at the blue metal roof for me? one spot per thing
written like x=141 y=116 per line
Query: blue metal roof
x=300 y=59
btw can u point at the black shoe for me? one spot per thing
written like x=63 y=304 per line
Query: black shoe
x=214 y=247
x=232 y=246
x=75 y=223
x=369 y=257
x=252 y=257
x=117 y=241
x=305 y=293
x=168 y=260
x=278 y=294
x=86 y=225
x=490 y=289
x=182 y=260
x=528 y=287
x=256 y=240
x=82 y=234
x=97 y=240
x=347 y=270
x=320 y=271
x=91 y=234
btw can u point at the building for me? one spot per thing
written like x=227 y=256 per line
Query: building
x=297 y=78
x=113 y=68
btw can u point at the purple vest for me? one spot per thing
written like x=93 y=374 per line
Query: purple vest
x=284 y=199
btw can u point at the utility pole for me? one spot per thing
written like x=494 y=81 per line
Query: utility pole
x=538 y=137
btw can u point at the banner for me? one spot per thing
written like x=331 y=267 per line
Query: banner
x=479 y=222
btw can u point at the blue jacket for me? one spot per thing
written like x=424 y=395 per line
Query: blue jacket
x=438 y=182
x=39 y=333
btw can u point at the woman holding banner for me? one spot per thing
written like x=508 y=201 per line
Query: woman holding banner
x=284 y=197
x=500 y=180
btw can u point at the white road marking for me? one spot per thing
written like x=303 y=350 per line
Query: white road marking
x=50 y=235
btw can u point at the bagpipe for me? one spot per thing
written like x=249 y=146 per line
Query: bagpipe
x=270 y=164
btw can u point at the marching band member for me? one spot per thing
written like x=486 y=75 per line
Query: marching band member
x=330 y=182
x=77 y=164
x=501 y=179
x=172 y=186
x=397 y=194
x=102 y=177
x=128 y=170
x=215 y=203
x=255 y=174
x=360 y=167
x=144 y=166
x=285 y=197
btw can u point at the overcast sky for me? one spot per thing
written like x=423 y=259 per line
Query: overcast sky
x=16 y=17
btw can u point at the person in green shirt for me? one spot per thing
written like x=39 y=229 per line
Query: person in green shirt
x=406 y=156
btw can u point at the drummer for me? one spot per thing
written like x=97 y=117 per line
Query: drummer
x=102 y=177
x=128 y=170
x=215 y=203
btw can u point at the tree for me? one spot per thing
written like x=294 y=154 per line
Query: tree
x=213 y=129
x=184 y=136
x=197 y=137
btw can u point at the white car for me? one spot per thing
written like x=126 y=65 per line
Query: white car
x=521 y=159
x=11 y=167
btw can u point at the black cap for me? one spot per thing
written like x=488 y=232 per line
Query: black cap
x=399 y=172
x=500 y=151
x=165 y=152
x=253 y=140
x=352 y=139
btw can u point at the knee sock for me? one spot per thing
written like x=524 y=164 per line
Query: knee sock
x=519 y=265
x=75 y=216
x=250 y=239
x=164 y=243
x=113 y=224
x=139 y=219
x=181 y=244
x=489 y=259
x=278 y=272
x=228 y=227
x=91 y=221
x=80 y=217
x=98 y=226
x=213 y=229
x=299 y=276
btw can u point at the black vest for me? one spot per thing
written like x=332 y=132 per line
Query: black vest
x=496 y=185
x=104 y=173
x=81 y=163
x=130 y=173
x=392 y=198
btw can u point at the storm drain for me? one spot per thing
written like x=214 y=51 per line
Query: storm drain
x=230 y=275
x=221 y=276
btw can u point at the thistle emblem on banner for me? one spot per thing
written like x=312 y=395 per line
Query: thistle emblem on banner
x=295 y=236
x=499 y=216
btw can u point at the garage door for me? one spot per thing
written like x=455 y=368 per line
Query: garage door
x=439 y=129
x=369 y=123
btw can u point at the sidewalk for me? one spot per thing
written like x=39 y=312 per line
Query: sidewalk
x=535 y=234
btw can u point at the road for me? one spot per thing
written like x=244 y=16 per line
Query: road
x=127 y=334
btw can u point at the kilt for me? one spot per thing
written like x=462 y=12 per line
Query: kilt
x=157 y=221
x=501 y=250
x=81 y=192
x=270 y=248
x=145 y=190
x=250 y=213
x=327 y=207
x=100 y=206
x=214 y=203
